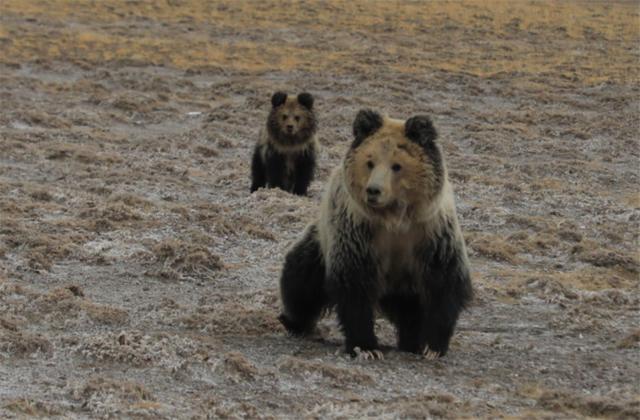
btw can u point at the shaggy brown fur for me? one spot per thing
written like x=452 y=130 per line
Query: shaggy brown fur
x=286 y=151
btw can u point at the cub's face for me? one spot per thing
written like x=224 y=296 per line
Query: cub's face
x=393 y=165
x=292 y=120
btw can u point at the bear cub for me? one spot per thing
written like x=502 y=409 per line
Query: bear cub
x=285 y=154
x=387 y=241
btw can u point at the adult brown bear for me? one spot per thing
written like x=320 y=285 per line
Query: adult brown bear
x=387 y=239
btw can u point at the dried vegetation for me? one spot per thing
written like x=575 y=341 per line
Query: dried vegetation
x=138 y=278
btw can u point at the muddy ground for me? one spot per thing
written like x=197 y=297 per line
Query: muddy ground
x=138 y=277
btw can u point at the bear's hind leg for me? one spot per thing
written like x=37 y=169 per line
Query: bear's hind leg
x=302 y=285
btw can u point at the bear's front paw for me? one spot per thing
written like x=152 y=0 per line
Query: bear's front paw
x=373 y=354
x=431 y=355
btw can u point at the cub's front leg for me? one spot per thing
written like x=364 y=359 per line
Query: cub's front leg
x=275 y=167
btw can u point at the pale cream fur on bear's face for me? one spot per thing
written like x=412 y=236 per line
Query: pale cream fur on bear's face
x=390 y=173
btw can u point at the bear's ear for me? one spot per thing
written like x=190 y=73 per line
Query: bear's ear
x=420 y=130
x=278 y=99
x=306 y=100
x=366 y=123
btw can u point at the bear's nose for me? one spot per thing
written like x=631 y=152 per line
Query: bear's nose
x=373 y=191
x=289 y=127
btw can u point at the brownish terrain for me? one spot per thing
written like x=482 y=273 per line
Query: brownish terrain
x=138 y=276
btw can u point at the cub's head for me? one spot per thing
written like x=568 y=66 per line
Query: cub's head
x=291 y=121
x=393 y=166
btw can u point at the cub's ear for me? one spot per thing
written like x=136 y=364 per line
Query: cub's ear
x=420 y=129
x=278 y=99
x=306 y=100
x=366 y=123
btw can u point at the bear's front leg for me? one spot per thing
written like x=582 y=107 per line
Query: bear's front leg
x=448 y=285
x=305 y=164
x=356 y=316
x=275 y=167
x=352 y=283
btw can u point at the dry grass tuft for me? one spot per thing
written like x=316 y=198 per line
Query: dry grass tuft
x=41 y=119
x=129 y=102
x=40 y=195
x=338 y=375
x=106 y=397
x=82 y=153
x=493 y=247
x=550 y=289
x=570 y=235
x=139 y=349
x=112 y=212
x=66 y=302
x=103 y=314
x=32 y=408
x=233 y=318
x=21 y=343
x=131 y=200
x=414 y=406
x=225 y=222
x=237 y=364
x=206 y=152
x=41 y=250
x=179 y=259
x=611 y=258
x=630 y=341
x=573 y=404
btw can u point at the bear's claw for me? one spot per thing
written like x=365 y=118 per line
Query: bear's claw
x=368 y=354
x=430 y=354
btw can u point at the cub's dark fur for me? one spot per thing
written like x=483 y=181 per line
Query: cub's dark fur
x=285 y=155
x=387 y=240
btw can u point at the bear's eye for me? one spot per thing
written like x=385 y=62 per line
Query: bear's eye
x=297 y=118
x=284 y=117
x=369 y=164
x=396 y=167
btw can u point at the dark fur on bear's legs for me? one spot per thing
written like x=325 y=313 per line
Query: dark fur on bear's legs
x=420 y=324
x=351 y=285
x=275 y=167
x=448 y=286
x=272 y=171
x=305 y=164
x=441 y=320
x=356 y=316
x=268 y=172
x=302 y=285
x=258 y=171
x=408 y=314
x=428 y=318
x=443 y=311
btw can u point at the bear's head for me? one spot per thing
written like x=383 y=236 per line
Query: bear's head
x=393 y=166
x=291 y=121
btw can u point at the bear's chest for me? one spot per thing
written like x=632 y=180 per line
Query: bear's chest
x=290 y=164
x=396 y=256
